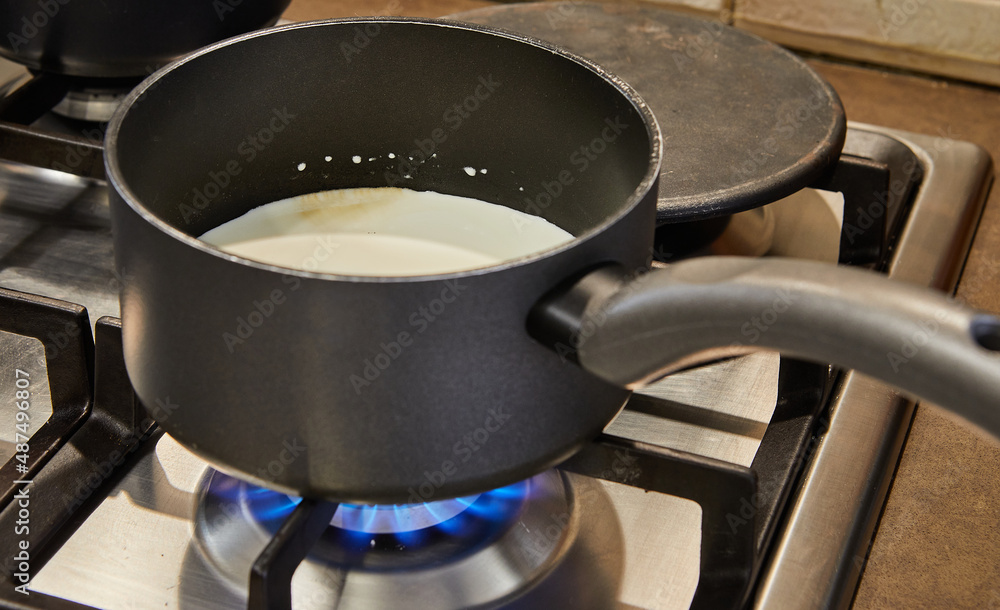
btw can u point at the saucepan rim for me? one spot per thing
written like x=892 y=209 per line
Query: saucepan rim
x=117 y=179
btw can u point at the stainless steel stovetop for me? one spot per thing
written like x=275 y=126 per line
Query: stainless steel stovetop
x=726 y=466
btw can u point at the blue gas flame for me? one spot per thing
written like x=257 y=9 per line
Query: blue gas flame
x=395 y=526
x=396 y=518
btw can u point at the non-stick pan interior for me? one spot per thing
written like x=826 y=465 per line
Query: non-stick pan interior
x=390 y=103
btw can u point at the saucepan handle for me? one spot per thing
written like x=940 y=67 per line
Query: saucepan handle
x=630 y=330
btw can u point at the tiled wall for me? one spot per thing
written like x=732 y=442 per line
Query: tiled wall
x=959 y=38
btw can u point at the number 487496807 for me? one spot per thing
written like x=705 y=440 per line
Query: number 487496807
x=22 y=397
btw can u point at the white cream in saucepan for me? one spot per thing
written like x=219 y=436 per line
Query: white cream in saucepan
x=384 y=232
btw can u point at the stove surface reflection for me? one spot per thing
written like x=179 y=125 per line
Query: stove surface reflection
x=570 y=541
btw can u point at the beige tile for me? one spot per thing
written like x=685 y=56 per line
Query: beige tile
x=952 y=37
x=303 y=10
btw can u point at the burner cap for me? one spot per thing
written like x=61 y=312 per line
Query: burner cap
x=374 y=555
x=744 y=121
x=86 y=105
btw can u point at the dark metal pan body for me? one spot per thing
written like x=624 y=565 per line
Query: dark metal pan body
x=122 y=38
x=371 y=388
x=409 y=389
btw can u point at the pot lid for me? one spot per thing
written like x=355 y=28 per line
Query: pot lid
x=744 y=121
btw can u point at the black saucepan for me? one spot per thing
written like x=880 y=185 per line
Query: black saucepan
x=396 y=389
x=122 y=38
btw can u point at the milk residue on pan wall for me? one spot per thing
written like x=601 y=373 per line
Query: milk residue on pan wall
x=384 y=232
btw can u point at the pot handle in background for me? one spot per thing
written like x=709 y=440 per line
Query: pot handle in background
x=632 y=330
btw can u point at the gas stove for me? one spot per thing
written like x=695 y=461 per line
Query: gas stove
x=753 y=481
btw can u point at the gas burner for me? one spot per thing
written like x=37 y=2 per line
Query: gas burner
x=387 y=536
x=27 y=95
x=398 y=518
x=805 y=224
x=93 y=105
x=749 y=233
x=368 y=550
